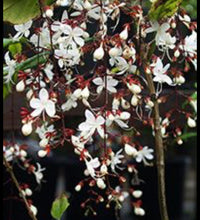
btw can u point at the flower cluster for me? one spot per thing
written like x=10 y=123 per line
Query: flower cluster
x=113 y=90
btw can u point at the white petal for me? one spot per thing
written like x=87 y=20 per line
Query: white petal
x=35 y=103
x=89 y=116
x=43 y=95
x=50 y=108
x=36 y=112
x=98 y=81
x=79 y=41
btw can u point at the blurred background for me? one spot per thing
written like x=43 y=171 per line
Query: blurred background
x=64 y=171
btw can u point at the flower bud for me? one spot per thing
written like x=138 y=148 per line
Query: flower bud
x=20 y=86
x=135 y=89
x=104 y=169
x=49 y=12
x=99 y=53
x=101 y=184
x=43 y=143
x=27 y=129
x=87 y=5
x=78 y=188
x=113 y=52
x=23 y=153
x=179 y=141
x=121 y=198
x=177 y=53
x=28 y=192
x=29 y=94
x=137 y=193
x=191 y=122
x=125 y=104
x=42 y=153
x=124 y=34
x=85 y=93
x=130 y=150
x=139 y=211
x=33 y=209
x=134 y=100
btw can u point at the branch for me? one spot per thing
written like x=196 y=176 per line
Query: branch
x=15 y=181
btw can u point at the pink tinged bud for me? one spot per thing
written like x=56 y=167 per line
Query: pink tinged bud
x=191 y=122
x=20 y=86
x=42 y=153
x=49 y=12
x=99 y=53
x=135 y=89
x=27 y=129
x=23 y=153
x=137 y=193
x=139 y=211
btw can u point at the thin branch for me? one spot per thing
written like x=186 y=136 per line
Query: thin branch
x=15 y=181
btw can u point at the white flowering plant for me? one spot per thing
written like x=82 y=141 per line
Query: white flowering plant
x=60 y=63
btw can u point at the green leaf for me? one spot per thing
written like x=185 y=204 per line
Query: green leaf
x=15 y=48
x=59 y=206
x=162 y=9
x=21 y=11
x=6 y=90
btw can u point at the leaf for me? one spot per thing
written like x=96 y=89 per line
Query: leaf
x=162 y=9
x=15 y=49
x=59 y=206
x=21 y=11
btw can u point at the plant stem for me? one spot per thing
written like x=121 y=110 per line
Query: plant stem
x=160 y=156
x=15 y=181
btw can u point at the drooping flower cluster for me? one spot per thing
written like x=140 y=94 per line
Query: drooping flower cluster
x=113 y=90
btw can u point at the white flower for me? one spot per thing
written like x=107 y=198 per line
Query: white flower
x=190 y=45
x=38 y=173
x=159 y=72
x=10 y=68
x=118 y=118
x=122 y=65
x=107 y=82
x=41 y=131
x=92 y=124
x=116 y=159
x=48 y=71
x=92 y=165
x=143 y=154
x=166 y=42
x=43 y=103
x=23 y=29
x=160 y=29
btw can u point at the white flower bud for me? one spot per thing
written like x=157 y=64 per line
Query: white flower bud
x=179 y=80
x=42 y=153
x=134 y=100
x=125 y=115
x=191 y=122
x=173 y=25
x=115 y=103
x=129 y=150
x=104 y=169
x=33 y=209
x=111 y=117
x=129 y=52
x=86 y=172
x=101 y=184
x=165 y=122
x=114 y=52
x=29 y=94
x=83 y=25
x=28 y=192
x=77 y=93
x=20 y=86
x=139 y=211
x=49 y=12
x=121 y=198
x=23 y=153
x=99 y=53
x=134 y=88
x=150 y=104
x=124 y=34
x=78 y=188
x=179 y=141
x=87 y=5
x=27 y=129
x=86 y=35
x=43 y=143
x=85 y=93
x=137 y=193
x=177 y=53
